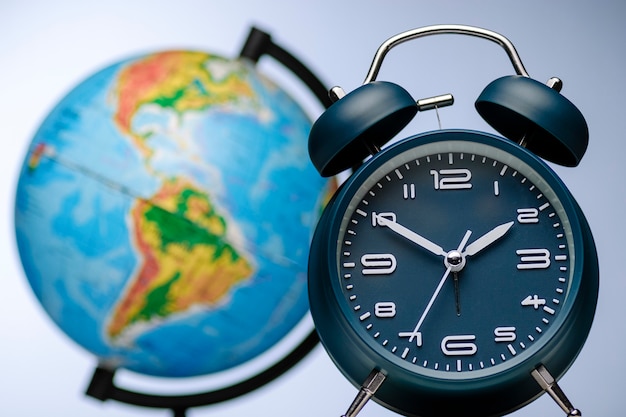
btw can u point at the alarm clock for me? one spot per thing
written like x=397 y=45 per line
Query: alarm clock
x=452 y=272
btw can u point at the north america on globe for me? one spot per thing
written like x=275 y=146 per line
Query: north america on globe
x=164 y=212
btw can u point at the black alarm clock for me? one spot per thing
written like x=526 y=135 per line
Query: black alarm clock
x=453 y=272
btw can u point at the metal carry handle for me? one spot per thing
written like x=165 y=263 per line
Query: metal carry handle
x=444 y=29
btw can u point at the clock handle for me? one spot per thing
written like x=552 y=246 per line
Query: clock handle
x=369 y=388
x=547 y=382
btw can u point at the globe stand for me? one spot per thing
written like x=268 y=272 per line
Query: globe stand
x=102 y=385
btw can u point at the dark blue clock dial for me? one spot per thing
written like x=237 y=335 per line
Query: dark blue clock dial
x=455 y=257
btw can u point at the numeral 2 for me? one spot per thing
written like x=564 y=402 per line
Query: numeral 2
x=527 y=215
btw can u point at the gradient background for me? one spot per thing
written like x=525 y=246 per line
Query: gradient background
x=46 y=48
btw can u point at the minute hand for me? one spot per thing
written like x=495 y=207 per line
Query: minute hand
x=412 y=236
x=487 y=239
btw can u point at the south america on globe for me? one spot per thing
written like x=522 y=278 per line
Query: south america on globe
x=164 y=211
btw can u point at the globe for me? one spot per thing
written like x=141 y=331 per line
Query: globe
x=164 y=211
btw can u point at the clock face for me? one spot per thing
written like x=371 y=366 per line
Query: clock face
x=454 y=258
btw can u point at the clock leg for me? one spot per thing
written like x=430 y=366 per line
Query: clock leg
x=369 y=388
x=547 y=382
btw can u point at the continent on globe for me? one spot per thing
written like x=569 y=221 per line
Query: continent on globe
x=161 y=79
x=186 y=260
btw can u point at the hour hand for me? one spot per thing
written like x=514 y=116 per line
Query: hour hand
x=487 y=239
x=410 y=235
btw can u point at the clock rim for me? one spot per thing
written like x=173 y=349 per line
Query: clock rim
x=544 y=350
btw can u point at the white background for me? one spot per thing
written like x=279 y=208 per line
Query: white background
x=47 y=47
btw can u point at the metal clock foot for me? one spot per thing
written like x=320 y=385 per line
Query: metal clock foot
x=369 y=388
x=547 y=382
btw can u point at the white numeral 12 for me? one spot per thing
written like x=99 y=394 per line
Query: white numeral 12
x=451 y=179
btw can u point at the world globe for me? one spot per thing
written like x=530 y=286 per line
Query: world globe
x=164 y=211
